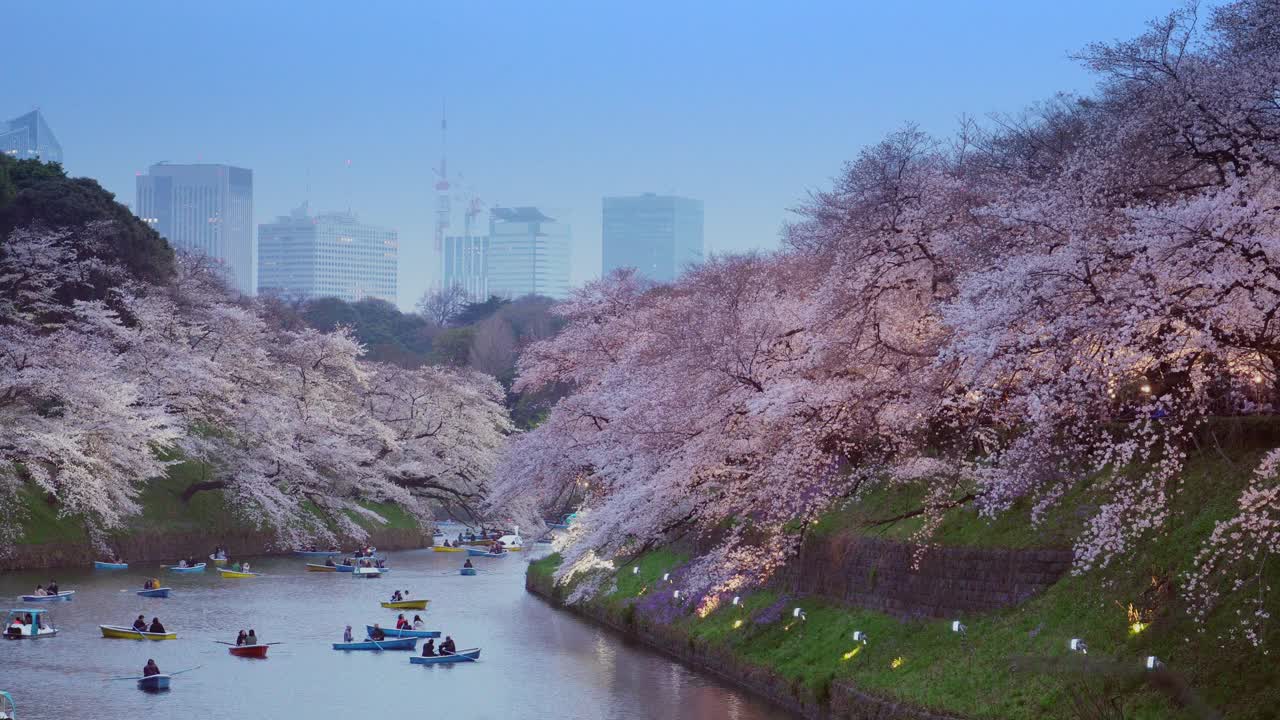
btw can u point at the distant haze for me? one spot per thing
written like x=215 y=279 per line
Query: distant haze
x=551 y=104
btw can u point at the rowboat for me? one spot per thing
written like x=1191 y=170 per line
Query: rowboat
x=468 y=571
x=155 y=592
x=484 y=553
x=441 y=548
x=198 y=567
x=470 y=655
x=238 y=573
x=406 y=604
x=408 y=643
x=249 y=651
x=120 y=632
x=315 y=567
x=218 y=561
x=346 y=568
x=100 y=565
x=396 y=633
x=64 y=595
x=154 y=682
x=317 y=553
x=38 y=627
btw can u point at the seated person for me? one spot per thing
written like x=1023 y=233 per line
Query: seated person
x=156 y=627
x=377 y=634
x=15 y=627
x=396 y=596
x=417 y=622
x=329 y=561
x=467 y=564
x=346 y=634
x=429 y=649
x=140 y=624
x=40 y=591
x=241 y=638
x=252 y=638
x=402 y=624
x=447 y=647
x=150 y=669
x=53 y=588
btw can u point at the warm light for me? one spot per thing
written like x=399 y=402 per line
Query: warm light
x=896 y=663
x=709 y=605
x=1257 y=379
x=1138 y=627
x=851 y=653
x=737 y=624
x=1146 y=388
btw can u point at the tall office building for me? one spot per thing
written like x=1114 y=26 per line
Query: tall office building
x=28 y=137
x=203 y=208
x=303 y=257
x=658 y=235
x=464 y=265
x=529 y=253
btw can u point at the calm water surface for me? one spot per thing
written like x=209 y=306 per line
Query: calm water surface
x=537 y=662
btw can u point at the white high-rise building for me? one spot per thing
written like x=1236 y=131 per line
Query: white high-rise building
x=206 y=209
x=333 y=254
x=465 y=260
x=529 y=253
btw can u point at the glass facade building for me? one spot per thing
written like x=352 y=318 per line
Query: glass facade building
x=28 y=137
x=658 y=235
x=465 y=261
x=529 y=253
x=206 y=209
x=333 y=254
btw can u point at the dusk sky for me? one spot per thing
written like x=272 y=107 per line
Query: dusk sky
x=745 y=106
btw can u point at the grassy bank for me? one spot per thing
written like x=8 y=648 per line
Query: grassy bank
x=164 y=510
x=1015 y=663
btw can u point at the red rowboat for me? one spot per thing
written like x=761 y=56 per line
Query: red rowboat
x=249 y=651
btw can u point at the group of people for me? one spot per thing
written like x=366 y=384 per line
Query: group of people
x=151 y=584
x=398 y=596
x=247 y=639
x=22 y=623
x=446 y=648
x=155 y=627
x=403 y=624
x=42 y=591
x=238 y=567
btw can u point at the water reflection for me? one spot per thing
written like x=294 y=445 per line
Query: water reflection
x=536 y=662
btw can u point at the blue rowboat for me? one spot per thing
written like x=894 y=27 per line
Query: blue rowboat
x=317 y=553
x=484 y=553
x=461 y=656
x=392 y=632
x=198 y=567
x=408 y=643
x=346 y=568
x=99 y=565
x=155 y=592
x=64 y=595
x=154 y=682
x=468 y=571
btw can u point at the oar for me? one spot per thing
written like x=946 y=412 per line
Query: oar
x=224 y=642
x=197 y=667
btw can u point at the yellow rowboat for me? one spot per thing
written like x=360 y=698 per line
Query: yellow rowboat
x=314 y=567
x=127 y=633
x=237 y=574
x=407 y=605
x=441 y=548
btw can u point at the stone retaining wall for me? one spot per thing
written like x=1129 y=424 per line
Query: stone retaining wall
x=950 y=581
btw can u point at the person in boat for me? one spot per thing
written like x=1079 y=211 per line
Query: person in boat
x=244 y=568
x=402 y=623
x=236 y=567
x=252 y=638
x=328 y=562
x=447 y=647
x=140 y=624
x=15 y=627
x=346 y=562
x=182 y=563
x=346 y=634
x=377 y=633
x=396 y=596
x=417 y=622
x=40 y=591
x=156 y=627
x=467 y=564
x=241 y=638
x=151 y=668
x=53 y=587
x=429 y=649
x=146 y=584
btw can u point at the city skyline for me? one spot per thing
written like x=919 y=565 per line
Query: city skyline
x=643 y=115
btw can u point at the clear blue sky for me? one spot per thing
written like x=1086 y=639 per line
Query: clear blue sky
x=744 y=105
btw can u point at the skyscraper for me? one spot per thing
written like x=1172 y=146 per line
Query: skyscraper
x=332 y=254
x=658 y=235
x=203 y=208
x=464 y=265
x=529 y=253
x=28 y=137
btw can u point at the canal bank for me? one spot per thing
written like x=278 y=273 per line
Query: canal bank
x=839 y=700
